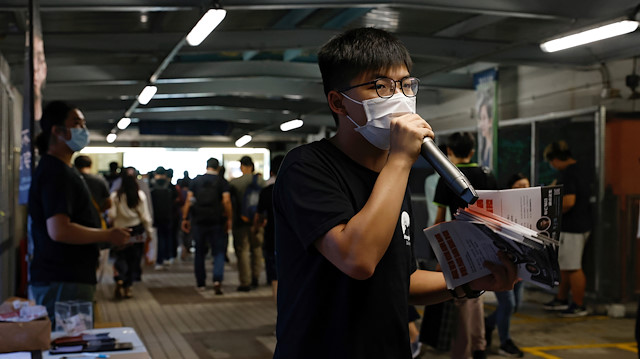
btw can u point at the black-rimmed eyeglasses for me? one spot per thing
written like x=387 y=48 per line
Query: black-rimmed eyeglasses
x=386 y=87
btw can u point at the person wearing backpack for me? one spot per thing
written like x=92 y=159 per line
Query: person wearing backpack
x=208 y=204
x=247 y=237
x=163 y=196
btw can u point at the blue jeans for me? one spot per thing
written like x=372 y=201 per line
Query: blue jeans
x=218 y=240
x=48 y=294
x=508 y=303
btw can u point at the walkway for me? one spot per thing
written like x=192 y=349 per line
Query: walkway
x=176 y=321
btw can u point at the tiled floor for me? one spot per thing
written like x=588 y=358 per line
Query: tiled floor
x=176 y=321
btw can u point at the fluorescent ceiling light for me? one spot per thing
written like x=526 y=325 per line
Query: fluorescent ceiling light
x=203 y=28
x=585 y=37
x=147 y=94
x=290 y=125
x=124 y=123
x=243 y=140
x=111 y=137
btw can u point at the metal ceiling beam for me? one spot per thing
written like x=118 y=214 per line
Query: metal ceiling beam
x=469 y=25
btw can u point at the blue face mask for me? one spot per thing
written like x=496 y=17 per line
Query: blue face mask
x=79 y=138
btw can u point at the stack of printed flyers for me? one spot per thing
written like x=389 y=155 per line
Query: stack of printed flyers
x=524 y=223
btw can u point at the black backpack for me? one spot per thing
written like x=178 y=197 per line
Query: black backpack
x=208 y=206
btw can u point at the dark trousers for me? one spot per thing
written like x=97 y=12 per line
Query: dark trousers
x=218 y=240
x=164 y=241
x=127 y=264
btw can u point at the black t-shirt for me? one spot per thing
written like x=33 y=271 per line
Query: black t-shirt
x=59 y=189
x=322 y=312
x=98 y=187
x=576 y=180
x=479 y=177
x=265 y=206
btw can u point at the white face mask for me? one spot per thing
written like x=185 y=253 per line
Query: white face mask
x=379 y=112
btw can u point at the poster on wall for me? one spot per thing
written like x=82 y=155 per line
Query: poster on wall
x=35 y=74
x=485 y=83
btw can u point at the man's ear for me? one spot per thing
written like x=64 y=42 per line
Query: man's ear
x=335 y=102
x=471 y=153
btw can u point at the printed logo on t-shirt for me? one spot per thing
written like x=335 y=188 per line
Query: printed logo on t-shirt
x=405 y=222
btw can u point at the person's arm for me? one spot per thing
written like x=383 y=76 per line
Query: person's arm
x=186 y=226
x=568 y=201
x=226 y=203
x=357 y=246
x=427 y=287
x=61 y=229
x=143 y=209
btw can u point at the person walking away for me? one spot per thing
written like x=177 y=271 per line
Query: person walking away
x=162 y=199
x=210 y=223
x=508 y=301
x=99 y=189
x=575 y=229
x=130 y=210
x=469 y=339
x=64 y=224
x=264 y=219
x=342 y=209
x=247 y=238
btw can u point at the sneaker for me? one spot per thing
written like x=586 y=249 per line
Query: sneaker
x=217 y=287
x=574 y=310
x=509 y=349
x=557 y=304
x=159 y=267
x=201 y=289
x=244 y=288
x=479 y=354
x=415 y=349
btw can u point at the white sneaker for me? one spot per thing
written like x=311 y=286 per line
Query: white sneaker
x=159 y=267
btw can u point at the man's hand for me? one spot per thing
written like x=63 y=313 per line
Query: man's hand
x=119 y=236
x=407 y=133
x=502 y=277
x=186 y=226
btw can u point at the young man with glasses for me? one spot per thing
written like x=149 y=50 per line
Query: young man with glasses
x=344 y=237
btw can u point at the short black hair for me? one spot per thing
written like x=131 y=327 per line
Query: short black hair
x=82 y=162
x=275 y=163
x=54 y=114
x=161 y=171
x=461 y=143
x=246 y=161
x=213 y=163
x=515 y=178
x=557 y=150
x=358 y=51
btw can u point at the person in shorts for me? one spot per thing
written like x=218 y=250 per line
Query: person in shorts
x=576 y=227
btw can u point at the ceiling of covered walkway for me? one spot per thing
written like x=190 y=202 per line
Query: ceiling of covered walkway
x=258 y=68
